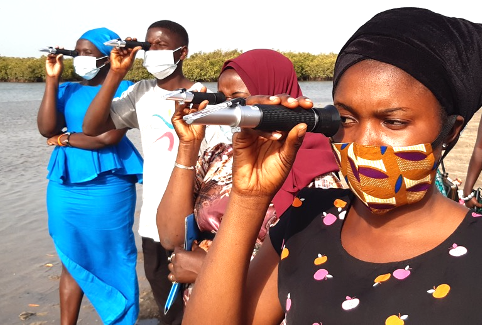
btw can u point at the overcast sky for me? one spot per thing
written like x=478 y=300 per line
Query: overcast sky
x=297 y=25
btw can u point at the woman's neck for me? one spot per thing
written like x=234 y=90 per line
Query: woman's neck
x=402 y=233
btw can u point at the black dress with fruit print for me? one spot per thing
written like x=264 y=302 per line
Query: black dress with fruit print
x=320 y=283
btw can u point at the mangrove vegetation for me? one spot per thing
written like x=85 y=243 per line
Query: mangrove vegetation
x=203 y=67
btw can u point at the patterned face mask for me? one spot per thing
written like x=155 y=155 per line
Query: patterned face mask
x=386 y=177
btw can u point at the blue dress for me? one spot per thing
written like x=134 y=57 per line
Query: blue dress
x=91 y=199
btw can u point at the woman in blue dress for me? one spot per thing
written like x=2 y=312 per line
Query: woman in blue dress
x=91 y=195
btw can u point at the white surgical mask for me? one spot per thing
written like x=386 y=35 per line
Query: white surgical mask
x=86 y=66
x=160 y=63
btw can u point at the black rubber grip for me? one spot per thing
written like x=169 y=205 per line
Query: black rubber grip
x=320 y=120
x=278 y=117
x=132 y=44
x=213 y=98
x=71 y=53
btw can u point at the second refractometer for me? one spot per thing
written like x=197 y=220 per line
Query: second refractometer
x=271 y=117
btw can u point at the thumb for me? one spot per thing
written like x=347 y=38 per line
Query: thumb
x=293 y=142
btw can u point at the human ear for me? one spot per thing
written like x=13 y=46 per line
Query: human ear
x=184 y=53
x=454 y=133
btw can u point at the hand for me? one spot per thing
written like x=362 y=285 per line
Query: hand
x=473 y=203
x=185 y=265
x=262 y=160
x=54 y=65
x=122 y=59
x=188 y=133
x=52 y=141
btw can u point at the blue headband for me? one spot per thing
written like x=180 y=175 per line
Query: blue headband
x=98 y=36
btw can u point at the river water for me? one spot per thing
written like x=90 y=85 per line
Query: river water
x=29 y=266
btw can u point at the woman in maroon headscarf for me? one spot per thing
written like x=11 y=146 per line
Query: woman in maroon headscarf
x=202 y=185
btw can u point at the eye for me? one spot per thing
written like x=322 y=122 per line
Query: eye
x=395 y=123
x=347 y=120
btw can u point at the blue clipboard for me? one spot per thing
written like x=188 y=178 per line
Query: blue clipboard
x=191 y=234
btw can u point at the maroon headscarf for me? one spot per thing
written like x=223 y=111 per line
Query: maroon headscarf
x=267 y=72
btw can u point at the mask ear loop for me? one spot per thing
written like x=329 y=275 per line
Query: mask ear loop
x=179 y=48
x=106 y=56
x=447 y=127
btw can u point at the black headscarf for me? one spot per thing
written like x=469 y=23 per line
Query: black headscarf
x=443 y=53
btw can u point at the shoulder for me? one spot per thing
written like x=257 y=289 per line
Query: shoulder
x=135 y=90
x=143 y=85
x=68 y=88
x=69 y=85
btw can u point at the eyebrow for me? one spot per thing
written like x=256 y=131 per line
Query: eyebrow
x=384 y=111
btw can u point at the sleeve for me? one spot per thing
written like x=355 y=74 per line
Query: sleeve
x=123 y=109
x=202 y=166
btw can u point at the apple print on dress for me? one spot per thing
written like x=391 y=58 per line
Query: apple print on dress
x=475 y=214
x=322 y=274
x=396 y=320
x=297 y=202
x=338 y=203
x=457 y=250
x=321 y=259
x=440 y=291
x=288 y=303
x=341 y=216
x=382 y=278
x=402 y=273
x=329 y=218
x=285 y=253
x=350 y=303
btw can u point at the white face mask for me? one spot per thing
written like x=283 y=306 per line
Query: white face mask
x=160 y=63
x=86 y=66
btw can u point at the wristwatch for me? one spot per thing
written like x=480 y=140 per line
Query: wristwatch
x=67 y=140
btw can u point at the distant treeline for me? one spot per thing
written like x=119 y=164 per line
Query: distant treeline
x=203 y=67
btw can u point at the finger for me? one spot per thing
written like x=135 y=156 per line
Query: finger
x=181 y=107
x=202 y=105
x=288 y=101
x=305 y=102
x=132 y=54
x=293 y=142
x=263 y=99
x=171 y=278
x=170 y=266
x=271 y=135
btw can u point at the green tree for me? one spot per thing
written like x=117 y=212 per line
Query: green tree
x=200 y=66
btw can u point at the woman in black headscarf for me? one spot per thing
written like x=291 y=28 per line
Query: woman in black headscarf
x=391 y=248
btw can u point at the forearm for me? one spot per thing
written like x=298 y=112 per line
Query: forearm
x=97 y=119
x=473 y=170
x=178 y=199
x=222 y=280
x=49 y=121
x=80 y=140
